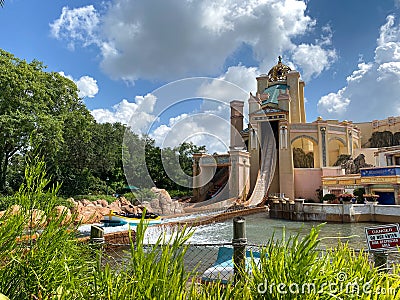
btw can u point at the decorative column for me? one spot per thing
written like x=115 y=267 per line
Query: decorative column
x=236 y=124
x=283 y=137
x=396 y=194
x=323 y=141
x=350 y=142
x=253 y=139
x=239 y=173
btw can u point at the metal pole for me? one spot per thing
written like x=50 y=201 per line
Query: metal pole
x=97 y=240
x=381 y=260
x=239 y=243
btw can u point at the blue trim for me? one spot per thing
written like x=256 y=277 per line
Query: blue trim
x=384 y=171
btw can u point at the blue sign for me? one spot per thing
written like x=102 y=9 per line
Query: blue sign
x=386 y=171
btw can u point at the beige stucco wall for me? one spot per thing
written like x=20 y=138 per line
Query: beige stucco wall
x=369 y=154
x=391 y=124
x=306 y=182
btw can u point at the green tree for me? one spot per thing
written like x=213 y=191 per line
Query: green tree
x=301 y=159
x=381 y=139
x=40 y=108
x=396 y=139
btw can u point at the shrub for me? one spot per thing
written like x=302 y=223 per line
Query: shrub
x=329 y=197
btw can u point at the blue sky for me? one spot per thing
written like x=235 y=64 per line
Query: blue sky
x=122 y=53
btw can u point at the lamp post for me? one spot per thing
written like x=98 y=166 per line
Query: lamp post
x=107 y=179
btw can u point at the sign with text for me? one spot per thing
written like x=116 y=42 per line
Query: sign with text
x=383 y=237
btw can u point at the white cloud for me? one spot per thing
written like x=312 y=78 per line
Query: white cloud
x=235 y=84
x=313 y=59
x=87 y=86
x=183 y=38
x=201 y=129
x=372 y=90
x=77 y=25
x=136 y=114
x=334 y=103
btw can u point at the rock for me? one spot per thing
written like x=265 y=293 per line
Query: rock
x=63 y=211
x=163 y=204
x=38 y=218
x=102 y=202
x=115 y=206
x=145 y=206
x=72 y=201
x=85 y=202
x=14 y=209
x=123 y=201
x=89 y=215
x=104 y=211
x=129 y=209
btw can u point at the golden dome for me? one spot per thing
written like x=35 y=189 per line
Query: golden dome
x=278 y=72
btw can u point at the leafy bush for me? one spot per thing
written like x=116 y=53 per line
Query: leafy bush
x=179 y=194
x=109 y=198
x=329 y=197
x=5 y=202
x=359 y=192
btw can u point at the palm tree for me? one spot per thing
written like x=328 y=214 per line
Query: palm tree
x=1 y=3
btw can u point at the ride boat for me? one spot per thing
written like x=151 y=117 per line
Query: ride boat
x=222 y=270
x=122 y=218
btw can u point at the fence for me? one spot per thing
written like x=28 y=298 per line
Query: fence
x=222 y=261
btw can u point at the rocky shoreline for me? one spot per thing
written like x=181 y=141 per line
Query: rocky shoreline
x=87 y=212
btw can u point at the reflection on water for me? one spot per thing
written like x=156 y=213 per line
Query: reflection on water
x=260 y=229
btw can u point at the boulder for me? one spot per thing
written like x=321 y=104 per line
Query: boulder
x=129 y=209
x=62 y=210
x=102 y=202
x=72 y=201
x=85 y=202
x=163 y=204
x=115 y=206
x=89 y=215
x=38 y=218
x=14 y=209
x=123 y=201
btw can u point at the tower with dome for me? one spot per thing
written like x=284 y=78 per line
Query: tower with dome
x=278 y=139
x=275 y=151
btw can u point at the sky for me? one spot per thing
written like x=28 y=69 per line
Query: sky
x=168 y=68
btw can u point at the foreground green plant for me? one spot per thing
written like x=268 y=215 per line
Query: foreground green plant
x=296 y=269
x=39 y=255
x=54 y=265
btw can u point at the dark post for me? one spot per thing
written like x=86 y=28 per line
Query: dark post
x=96 y=239
x=107 y=179
x=381 y=260
x=239 y=243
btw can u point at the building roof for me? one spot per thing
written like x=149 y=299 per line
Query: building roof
x=273 y=93
x=278 y=72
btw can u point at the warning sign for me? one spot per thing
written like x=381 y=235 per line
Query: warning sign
x=383 y=237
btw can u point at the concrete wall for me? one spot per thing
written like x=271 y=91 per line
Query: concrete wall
x=306 y=182
x=369 y=154
x=341 y=213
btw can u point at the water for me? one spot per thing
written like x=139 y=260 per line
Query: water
x=259 y=230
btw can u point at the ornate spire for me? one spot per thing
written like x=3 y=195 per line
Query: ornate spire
x=278 y=72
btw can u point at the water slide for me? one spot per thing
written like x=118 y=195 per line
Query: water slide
x=219 y=199
x=266 y=173
x=268 y=158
